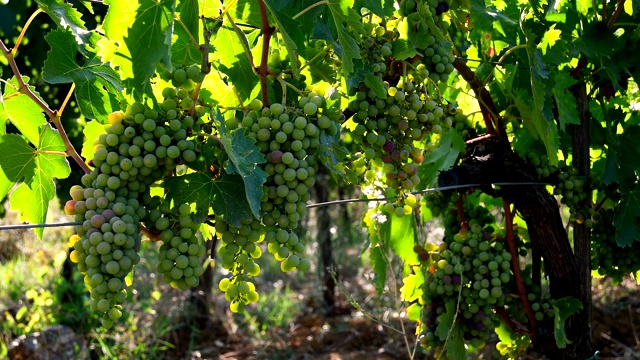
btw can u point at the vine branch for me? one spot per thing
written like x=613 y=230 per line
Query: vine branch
x=515 y=263
x=51 y=114
x=487 y=106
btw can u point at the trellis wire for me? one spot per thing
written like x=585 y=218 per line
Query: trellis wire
x=328 y=203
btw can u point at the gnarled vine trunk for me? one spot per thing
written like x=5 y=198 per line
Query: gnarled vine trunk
x=493 y=161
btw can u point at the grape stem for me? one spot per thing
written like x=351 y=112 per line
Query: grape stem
x=515 y=263
x=14 y=51
x=51 y=114
x=308 y=8
x=263 y=69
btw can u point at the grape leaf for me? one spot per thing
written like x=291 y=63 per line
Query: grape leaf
x=96 y=84
x=183 y=50
x=382 y=8
x=627 y=216
x=541 y=114
x=412 y=286
x=37 y=167
x=513 y=344
x=139 y=37
x=451 y=145
x=15 y=162
x=91 y=131
x=331 y=153
x=375 y=84
x=378 y=229
x=66 y=16
x=225 y=194
x=403 y=238
x=564 y=308
x=342 y=11
x=23 y=112
x=234 y=62
x=446 y=321
x=565 y=101
x=536 y=124
x=413 y=312
x=244 y=157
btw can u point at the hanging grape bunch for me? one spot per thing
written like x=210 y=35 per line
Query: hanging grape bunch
x=141 y=147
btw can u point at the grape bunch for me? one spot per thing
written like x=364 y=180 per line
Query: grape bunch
x=607 y=257
x=238 y=254
x=289 y=138
x=472 y=266
x=568 y=185
x=437 y=56
x=141 y=147
x=180 y=253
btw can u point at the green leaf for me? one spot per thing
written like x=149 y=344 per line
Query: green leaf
x=627 y=216
x=91 y=131
x=564 y=308
x=139 y=37
x=565 y=101
x=442 y=158
x=23 y=112
x=375 y=84
x=382 y=8
x=413 y=312
x=16 y=162
x=331 y=153
x=31 y=198
x=342 y=11
x=244 y=157
x=66 y=16
x=183 y=50
x=513 y=345
x=378 y=254
x=225 y=194
x=234 y=62
x=403 y=237
x=291 y=33
x=97 y=85
x=536 y=124
x=412 y=286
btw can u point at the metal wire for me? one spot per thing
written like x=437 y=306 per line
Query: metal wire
x=309 y=206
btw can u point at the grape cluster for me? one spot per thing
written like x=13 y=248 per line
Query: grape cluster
x=568 y=185
x=607 y=257
x=141 y=146
x=289 y=138
x=473 y=266
x=437 y=56
x=238 y=254
x=180 y=253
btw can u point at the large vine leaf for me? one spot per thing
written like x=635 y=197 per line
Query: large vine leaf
x=138 y=37
x=97 y=85
x=36 y=168
x=627 y=216
x=342 y=11
x=225 y=194
x=450 y=332
x=23 y=112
